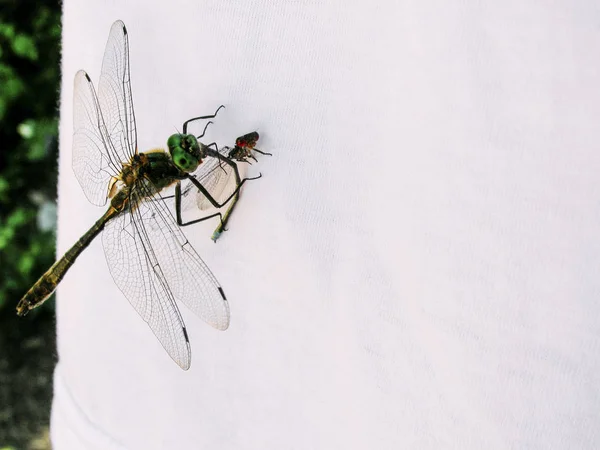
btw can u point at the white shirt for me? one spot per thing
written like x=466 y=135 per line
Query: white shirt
x=417 y=268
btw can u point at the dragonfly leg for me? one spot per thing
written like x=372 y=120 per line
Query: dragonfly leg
x=214 y=144
x=180 y=221
x=210 y=198
x=185 y=124
x=222 y=226
x=204 y=131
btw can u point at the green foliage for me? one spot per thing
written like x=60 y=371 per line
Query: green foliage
x=29 y=80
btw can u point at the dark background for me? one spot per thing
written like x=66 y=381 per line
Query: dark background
x=29 y=91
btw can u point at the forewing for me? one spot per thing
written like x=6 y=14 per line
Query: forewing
x=189 y=278
x=114 y=93
x=94 y=159
x=135 y=269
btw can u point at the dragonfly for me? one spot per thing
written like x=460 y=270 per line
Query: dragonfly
x=148 y=255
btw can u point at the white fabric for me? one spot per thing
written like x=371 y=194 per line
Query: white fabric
x=417 y=268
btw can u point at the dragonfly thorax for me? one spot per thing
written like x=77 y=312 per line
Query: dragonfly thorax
x=125 y=178
x=185 y=151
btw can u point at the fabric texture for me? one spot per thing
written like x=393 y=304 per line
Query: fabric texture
x=417 y=267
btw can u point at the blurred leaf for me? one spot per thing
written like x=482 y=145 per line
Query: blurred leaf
x=17 y=218
x=6 y=234
x=26 y=263
x=7 y=30
x=38 y=141
x=25 y=46
x=3 y=188
x=26 y=129
x=13 y=87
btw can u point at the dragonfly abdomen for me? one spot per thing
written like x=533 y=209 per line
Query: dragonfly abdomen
x=45 y=286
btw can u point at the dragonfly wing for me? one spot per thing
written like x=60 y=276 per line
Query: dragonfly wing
x=217 y=185
x=188 y=190
x=93 y=163
x=114 y=93
x=136 y=271
x=218 y=179
x=189 y=278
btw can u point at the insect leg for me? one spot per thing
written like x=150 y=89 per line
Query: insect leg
x=185 y=124
x=210 y=198
x=262 y=153
x=204 y=131
x=180 y=221
x=216 y=154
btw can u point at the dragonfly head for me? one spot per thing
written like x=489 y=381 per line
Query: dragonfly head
x=185 y=151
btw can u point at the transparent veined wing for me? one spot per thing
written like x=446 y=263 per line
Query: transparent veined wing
x=221 y=185
x=217 y=177
x=135 y=269
x=104 y=130
x=189 y=278
x=153 y=264
x=94 y=162
x=114 y=93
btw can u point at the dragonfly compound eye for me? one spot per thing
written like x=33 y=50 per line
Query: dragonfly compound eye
x=185 y=151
